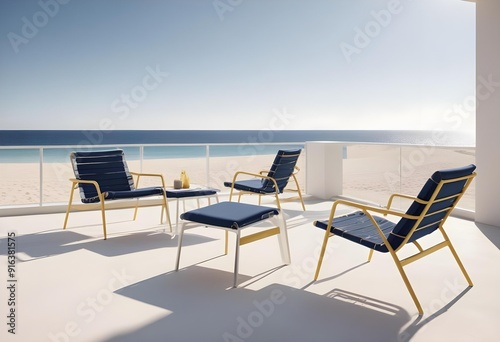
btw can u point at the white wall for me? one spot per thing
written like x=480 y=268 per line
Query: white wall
x=488 y=112
x=324 y=169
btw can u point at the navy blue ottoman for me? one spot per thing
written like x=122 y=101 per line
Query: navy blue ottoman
x=234 y=217
x=191 y=193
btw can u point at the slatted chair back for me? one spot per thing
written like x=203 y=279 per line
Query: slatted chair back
x=281 y=170
x=108 y=168
x=437 y=199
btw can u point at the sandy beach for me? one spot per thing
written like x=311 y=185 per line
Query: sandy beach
x=371 y=172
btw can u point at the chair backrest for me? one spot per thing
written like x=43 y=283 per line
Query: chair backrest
x=108 y=168
x=440 y=195
x=282 y=169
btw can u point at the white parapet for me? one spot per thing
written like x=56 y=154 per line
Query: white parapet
x=324 y=168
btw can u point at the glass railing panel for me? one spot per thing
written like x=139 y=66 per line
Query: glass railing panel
x=57 y=171
x=418 y=163
x=19 y=176
x=371 y=172
x=169 y=161
x=374 y=172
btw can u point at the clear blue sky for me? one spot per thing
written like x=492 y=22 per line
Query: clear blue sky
x=237 y=64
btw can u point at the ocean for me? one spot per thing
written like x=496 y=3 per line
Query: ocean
x=57 y=144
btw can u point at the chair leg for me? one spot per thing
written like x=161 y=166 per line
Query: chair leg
x=177 y=216
x=226 y=242
x=457 y=259
x=370 y=255
x=322 y=253
x=167 y=212
x=406 y=281
x=455 y=255
x=69 y=206
x=137 y=200
x=179 y=246
x=136 y=209
x=278 y=203
x=103 y=213
x=236 y=259
x=283 y=239
x=299 y=192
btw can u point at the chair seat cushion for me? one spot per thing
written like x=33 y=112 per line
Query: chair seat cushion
x=252 y=185
x=358 y=228
x=190 y=193
x=112 y=195
x=230 y=214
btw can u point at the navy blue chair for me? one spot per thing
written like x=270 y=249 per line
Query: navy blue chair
x=272 y=182
x=426 y=215
x=103 y=175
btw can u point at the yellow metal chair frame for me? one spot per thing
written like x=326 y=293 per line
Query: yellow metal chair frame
x=276 y=194
x=102 y=206
x=366 y=209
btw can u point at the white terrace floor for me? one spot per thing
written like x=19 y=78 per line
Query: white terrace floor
x=74 y=286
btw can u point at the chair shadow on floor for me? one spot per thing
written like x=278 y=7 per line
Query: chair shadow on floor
x=410 y=331
x=52 y=243
x=274 y=313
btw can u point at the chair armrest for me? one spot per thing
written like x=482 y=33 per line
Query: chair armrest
x=140 y=174
x=81 y=181
x=146 y=174
x=78 y=181
x=253 y=175
x=413 y=198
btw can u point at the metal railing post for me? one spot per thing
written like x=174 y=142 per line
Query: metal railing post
x=207 y=166
x=41 y=175
x=141 y=157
